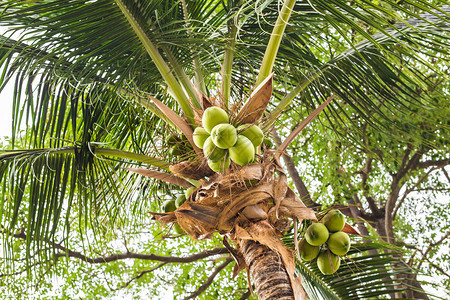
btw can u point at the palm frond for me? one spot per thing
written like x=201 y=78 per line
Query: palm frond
x=367 y=81
x=275 y=41
x=162 y=66
x=46 y=188
x=360 y=276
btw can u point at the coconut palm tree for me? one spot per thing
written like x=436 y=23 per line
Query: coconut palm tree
x=111 y=80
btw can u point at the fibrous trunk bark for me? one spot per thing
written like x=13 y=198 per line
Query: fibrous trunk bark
x=267 y=270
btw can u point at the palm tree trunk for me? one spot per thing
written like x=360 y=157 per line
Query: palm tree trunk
x=267 y=270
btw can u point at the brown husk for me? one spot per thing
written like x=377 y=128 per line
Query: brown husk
x=220 y=202
x=252 y=202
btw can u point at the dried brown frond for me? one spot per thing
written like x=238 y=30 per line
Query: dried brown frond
x=240 y=196
x=256 y=105
x=169 y=178
x=192 y=170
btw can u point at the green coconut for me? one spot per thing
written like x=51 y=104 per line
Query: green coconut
x=316 y=234
x=173 y=139
x=180 y=200
x=220 y=165
x=252 y=132
x=268 y=143
x=334 y=220
x=188 y=192
x=308 y=252
x=224 y=135
x=177 y=228
x=175 y=150
x=213 y=152
x=200 y=135
x=180 y=148
x=243 y=152
x=328 y=262
x=169 y=206
x=212 y=116
x=339 y=243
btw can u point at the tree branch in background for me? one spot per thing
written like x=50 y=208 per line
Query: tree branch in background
x=446 y=174
x=442 y=271
x=407 y=165
x=364 y=172
x=245 y=295
x=408 y=191
x=139 y=276
x=431 y=246
x=210 y=279
x=430 y=163
x=293 y=173
x=424 y=254
x=355 y=206
x=357 y=214
x=126 y=255
x=114 y=257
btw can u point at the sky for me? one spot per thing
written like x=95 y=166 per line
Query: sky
x=6 y=98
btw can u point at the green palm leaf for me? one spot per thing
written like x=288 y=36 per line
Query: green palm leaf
x=360 y=276
x=45 y=183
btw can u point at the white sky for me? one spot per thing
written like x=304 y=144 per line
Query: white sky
x=6 y=98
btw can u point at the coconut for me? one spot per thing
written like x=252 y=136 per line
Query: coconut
x=175 y=150
x=212 y=116
x=252 y=132
x=180 y=147
x=213 y=152
x=328 y=263
x=188 y=192
x=308 y=252
x=200 y=135
x=243 y=152
x=177 y=228
x=339 y=243
x=268 y=143
x=173 y=139
x=334 y=220
x=169 y=206
x=180 y=200
x=316 y=234
x=220 y=165
x=224 y=135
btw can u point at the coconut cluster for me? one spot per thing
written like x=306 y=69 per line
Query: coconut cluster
x=173 y=204
x=222 y=142
x=326 y=241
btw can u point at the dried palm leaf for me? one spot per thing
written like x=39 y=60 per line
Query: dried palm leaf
x=254 y=108
x=303 y=124
x=169 y=178
x=179 y=122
